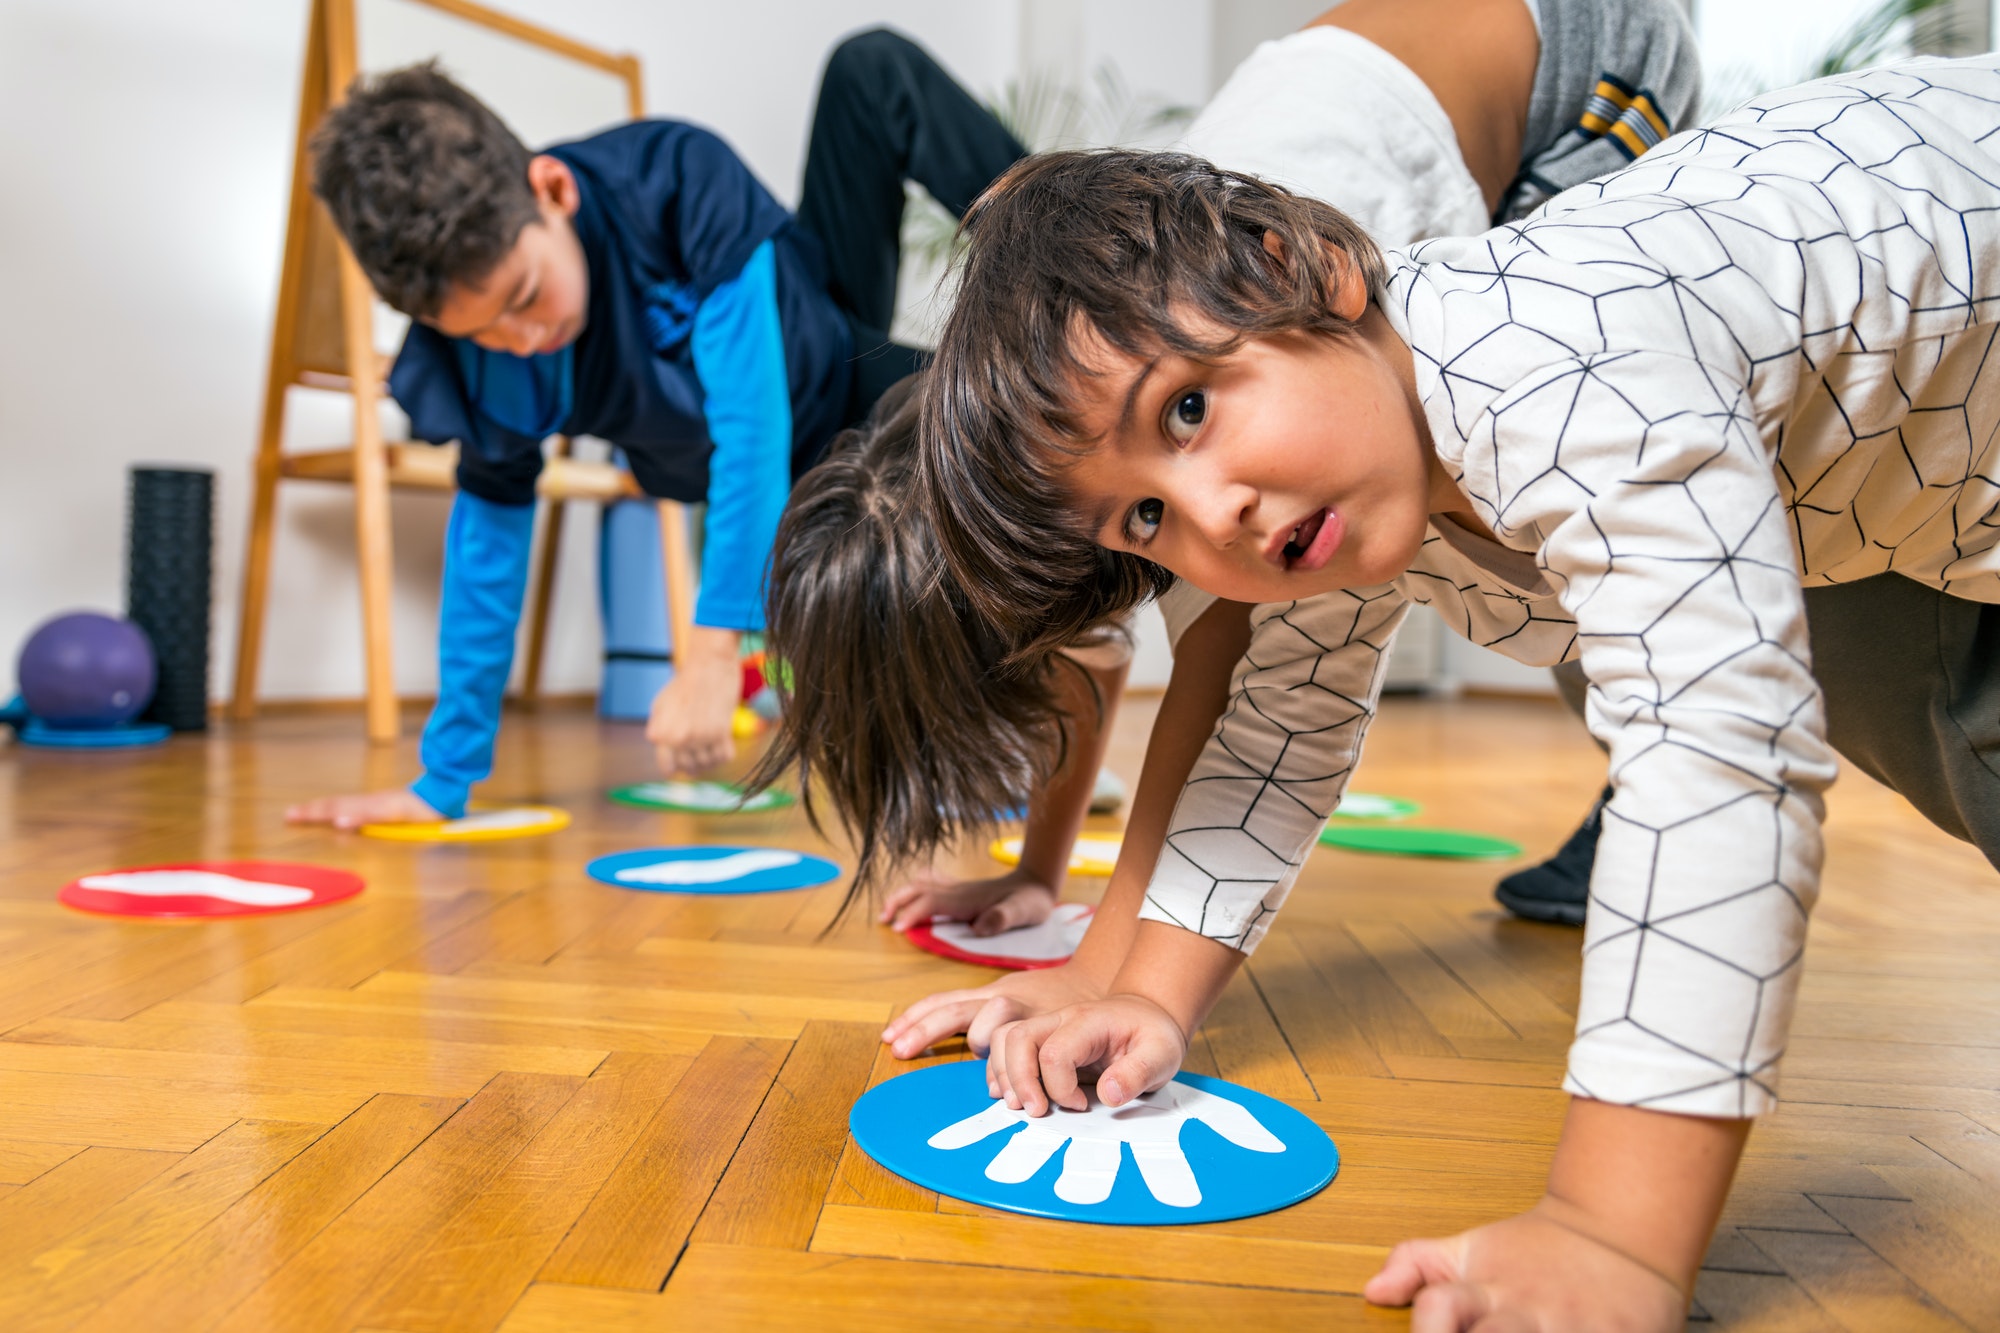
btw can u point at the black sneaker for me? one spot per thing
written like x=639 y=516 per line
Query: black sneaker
x=1558 y=889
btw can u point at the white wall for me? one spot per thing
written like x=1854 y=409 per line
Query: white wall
x=146 y=149
x=1239 y=25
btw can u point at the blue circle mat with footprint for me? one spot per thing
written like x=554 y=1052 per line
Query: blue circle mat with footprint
x=1197 y=1150
x=712 y=870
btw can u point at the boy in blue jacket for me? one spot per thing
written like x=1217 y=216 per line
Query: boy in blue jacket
x=640 y=286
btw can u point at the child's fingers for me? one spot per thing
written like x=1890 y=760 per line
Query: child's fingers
x=1018 y=1047
x=935 y=1017
x=1144 y=1065
x=698 y=756
x=997 y=1084
x=896 y=901
x=685 y=754
x=1084 y=1040
x=997 y=1012
x=1463 y=1307
x=920 y=904
x=933 y=1028
x=1057 y=1069
x=1412 y=1266
x=351 y=813
x=916 y=1012
x=1023 y=907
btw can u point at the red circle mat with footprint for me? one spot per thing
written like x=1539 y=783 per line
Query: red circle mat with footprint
x=210 y=889
x=1023 y=949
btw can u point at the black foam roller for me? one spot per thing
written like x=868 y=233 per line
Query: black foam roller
x=167 y=585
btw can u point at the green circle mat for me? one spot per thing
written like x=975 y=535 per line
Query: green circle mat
x=1400 y=840
x=1367 y=805
x=699 y=798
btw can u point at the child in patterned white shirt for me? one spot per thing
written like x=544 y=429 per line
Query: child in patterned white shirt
x=1669 y=424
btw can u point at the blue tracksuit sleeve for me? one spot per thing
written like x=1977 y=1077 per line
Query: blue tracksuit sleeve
x=739 y=353
x=486 y=549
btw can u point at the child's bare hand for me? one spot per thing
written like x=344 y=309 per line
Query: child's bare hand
x=1540 y=1272
x=692 y=713
x=980 y=1011
x=397 y=805
x=991 y=905
x=1130 y=1044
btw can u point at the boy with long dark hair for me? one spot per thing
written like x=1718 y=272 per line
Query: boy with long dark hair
x=1419 y=117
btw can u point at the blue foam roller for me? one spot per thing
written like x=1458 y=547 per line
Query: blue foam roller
x=632 y=593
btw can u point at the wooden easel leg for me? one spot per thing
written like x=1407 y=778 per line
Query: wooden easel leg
x=279 y=373
x=371 y=458
x=371 y=503
x=676 y=563
x=372 y=548
x=257 y=569
x=372 y=551
x=543 y=589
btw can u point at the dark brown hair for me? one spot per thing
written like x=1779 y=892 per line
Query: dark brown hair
x=903 y=712
x=429 y=187
x=1154 y=252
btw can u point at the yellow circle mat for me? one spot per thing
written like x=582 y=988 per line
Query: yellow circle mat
x=478 y=825
x=1090 y=855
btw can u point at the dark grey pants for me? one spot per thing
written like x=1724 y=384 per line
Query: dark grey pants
x=1912 y=683
x=1911 y=677
x=888 y=113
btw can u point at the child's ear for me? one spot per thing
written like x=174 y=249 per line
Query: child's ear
x=553 y=183
x=1346 y=289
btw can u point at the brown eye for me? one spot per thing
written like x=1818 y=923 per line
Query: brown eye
x=1185 y=415
x=1144 y=520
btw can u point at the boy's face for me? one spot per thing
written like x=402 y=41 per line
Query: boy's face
x=536 y=298
x=1295 y=465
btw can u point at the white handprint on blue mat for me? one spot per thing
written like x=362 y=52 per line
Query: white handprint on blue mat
x=1150 y=1123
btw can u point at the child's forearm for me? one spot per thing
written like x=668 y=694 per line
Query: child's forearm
x=1195 y=696
x=1180 y=971
x=1056 y=813
x=716 y=643
x=1650 y=1184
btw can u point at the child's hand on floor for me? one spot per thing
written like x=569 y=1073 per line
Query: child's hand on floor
x=690 y=722
x=397 y=805
x=1539 y=1271
x=1016 y=898
x=1614 y=1244
x=1128 y=1042
x=978 y=1012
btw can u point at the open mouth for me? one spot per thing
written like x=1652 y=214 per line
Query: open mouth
x=1313 y=542
x=1303 y=534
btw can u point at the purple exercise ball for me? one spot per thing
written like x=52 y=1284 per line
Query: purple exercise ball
x=86 y=670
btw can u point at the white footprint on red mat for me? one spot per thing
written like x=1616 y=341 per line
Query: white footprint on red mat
x=199 y=883
x=1050 y=941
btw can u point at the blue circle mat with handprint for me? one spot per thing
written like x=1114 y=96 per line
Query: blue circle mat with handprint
x=1197 y=1150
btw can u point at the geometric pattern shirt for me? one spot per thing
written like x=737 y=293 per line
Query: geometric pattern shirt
x=1759 y=358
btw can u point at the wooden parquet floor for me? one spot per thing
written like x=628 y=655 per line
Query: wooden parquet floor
x=489 y=1093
